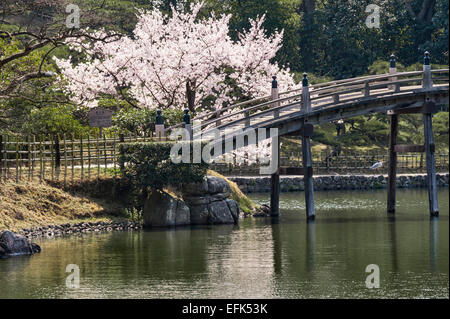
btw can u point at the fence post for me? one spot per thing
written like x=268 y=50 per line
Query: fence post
x=33 y=158
x=65 y=160
x=52 y=158
x=57 y=156
x=73 y=158
x=17 y=158
x=1 y=157
x=29 y=157
x=82 y=157
x=89 y=155
x=105 y=153
x=7 y=172
x=121 y=140
x=98 y=156
x=41 y=161
x=114 y=153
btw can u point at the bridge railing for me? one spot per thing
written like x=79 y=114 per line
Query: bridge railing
x=354 y=89
x=323 y=95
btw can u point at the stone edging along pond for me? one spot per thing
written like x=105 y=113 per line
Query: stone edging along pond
x=261 y=184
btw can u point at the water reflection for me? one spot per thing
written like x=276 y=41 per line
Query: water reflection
x=260 y=258
x=277 y=246
x=392 y=225
x=310 y=244
x=434 y=222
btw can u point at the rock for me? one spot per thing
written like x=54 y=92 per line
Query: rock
x=209 y=202
x=199 y=214
x=234 y=209
x=265 y=209
x=195 y=189
x=218 y=185
x=163 y=210
x=259 y=214
x=219 y=213
x=14 y=244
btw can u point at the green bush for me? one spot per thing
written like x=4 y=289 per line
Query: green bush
x=141 y=120
x=148 y=165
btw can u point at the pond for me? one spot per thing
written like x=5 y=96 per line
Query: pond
x=260 y=258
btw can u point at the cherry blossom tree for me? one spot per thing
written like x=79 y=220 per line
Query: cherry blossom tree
x=181 y=61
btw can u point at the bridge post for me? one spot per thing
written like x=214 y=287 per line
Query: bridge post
x=429 y=139
x=187 y=123
x=306 y=100
x=275 y=179
x=392 y=171
x=427 y=83
x=431 y=164
x=307 y=156
x=275 y=96
x=159 y=126
x=393 y=70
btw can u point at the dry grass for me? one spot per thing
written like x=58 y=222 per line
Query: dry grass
x=29 y=204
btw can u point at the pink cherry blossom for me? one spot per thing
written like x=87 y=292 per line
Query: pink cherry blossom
x=177 y=62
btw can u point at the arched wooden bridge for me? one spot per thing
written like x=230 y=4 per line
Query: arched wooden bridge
x=295 y=112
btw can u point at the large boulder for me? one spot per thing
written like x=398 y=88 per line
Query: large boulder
x=163 y=210
x=209 y=202
x=12 y=244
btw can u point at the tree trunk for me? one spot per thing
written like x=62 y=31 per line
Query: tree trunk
x=190 y=95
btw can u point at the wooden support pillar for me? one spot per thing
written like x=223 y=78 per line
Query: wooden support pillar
x=431 y=164
x=427 y=84
x=308 y=178
x=392 y=171
x=307 y=156
x=275 y=179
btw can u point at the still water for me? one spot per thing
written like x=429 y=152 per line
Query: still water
x=260 y=258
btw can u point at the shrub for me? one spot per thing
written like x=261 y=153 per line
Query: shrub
x=149 y=165
x=141 y=120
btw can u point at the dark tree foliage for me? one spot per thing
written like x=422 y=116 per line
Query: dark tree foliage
x=148 y=165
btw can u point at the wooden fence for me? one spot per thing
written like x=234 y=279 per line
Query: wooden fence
x=60 y=157
x=65 y=158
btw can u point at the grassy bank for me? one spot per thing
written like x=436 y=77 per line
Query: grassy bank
x=30 y=204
